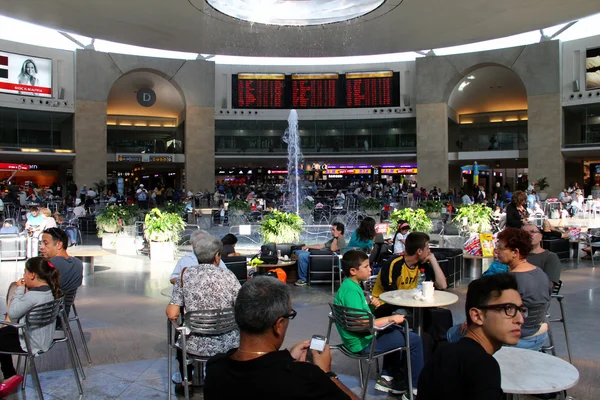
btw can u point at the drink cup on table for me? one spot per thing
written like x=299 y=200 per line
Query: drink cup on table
x=428 y=290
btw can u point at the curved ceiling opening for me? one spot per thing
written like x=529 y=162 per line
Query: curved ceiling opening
x=294 y=12
x=488 y=89
x=123 y=96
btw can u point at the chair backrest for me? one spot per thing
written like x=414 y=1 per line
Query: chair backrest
x=43 y=314
x=69 y=298
x=369 y=284
x=239 y=266
x=556 y=288
x=352 y=319
x=211 y=322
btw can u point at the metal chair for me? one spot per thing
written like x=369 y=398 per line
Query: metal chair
x=73 y=316
x=201 y=322
x=39 y=316
x=355 y=320
x=551 y=347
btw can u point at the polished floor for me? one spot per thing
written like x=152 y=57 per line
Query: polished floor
x=122 y=311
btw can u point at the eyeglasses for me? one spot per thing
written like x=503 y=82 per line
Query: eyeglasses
x=510 y=309
x=291 y=315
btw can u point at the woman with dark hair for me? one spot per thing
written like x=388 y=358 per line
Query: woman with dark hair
x=28 y=72
x=400 y=237
x=516 y=213
x=40 y=284
x=229 y=242
x=362 y=238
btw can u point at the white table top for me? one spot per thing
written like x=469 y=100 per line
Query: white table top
x=530 y=372
x=87 y=251
x=402 y=298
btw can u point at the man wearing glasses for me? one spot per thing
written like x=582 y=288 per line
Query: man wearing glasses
x=258 y=368
x=546 y=260
x=466 y=369
x=336 y=243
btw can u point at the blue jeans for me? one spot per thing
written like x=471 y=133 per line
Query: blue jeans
x=303 y=260
x=394 y=337
x=530 y=343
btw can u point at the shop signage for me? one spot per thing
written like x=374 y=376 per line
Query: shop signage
x=348 y=171
x=277 y=172
x=407 y=171
x=160 y=159
x=335 y=176
x=128 y=158
x=146 y=97
x=15 y=167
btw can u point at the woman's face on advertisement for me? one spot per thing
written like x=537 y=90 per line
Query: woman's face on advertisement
x=30 y=68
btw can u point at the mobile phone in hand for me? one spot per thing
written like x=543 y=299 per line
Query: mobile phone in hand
x=317 y=343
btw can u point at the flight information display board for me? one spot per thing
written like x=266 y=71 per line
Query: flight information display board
x=315 y=90
x=259 y=91
x=372 y=89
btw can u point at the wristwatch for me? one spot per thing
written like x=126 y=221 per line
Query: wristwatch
x=331 y=374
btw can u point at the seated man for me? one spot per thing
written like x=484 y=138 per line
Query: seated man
x=402 y=272
x=34 y=219
x=336 y=243
x=204 y=286
x=356 y=267
x=79 y=210
x=53 y=246
x=229 y=241
x=190 y=259
x=466 y=369
x=258 y=367
x=7 y=227
x=541 y=258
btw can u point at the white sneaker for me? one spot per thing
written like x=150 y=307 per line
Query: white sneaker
x=406 y=397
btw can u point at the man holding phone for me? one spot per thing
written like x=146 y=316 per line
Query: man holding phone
x=263 y=312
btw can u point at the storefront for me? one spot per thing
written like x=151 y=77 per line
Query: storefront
x=399 y=173
x=343 y=175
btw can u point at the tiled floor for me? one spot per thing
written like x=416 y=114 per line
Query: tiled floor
x=122 y=312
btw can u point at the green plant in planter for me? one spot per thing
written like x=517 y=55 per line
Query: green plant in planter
x=163 y=226
x=542 y=184
x=130 y=212
x=417 y=219
x=238 y=205
x=281 y=227
x=175 y=208
x=476 y=217
x=109 y=220
x=307 y=206
x=370 y=204
x=431 y=206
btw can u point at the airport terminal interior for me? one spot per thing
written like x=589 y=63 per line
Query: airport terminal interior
x=225 y=114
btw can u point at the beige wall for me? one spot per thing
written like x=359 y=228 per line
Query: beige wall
x=90 y=142
x=545 y=139
x=199 y=148
x=432 y=145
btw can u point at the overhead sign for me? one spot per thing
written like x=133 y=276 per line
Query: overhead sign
x=407 y=171
x=348 y=171
x=128 y=158
x=25 y=75
x=146 y=97
x=160 y=158
x=15 y=167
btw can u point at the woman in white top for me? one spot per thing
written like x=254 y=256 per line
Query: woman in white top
x=400 y=237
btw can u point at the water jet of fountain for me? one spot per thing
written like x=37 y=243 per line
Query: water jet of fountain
x=295 y=157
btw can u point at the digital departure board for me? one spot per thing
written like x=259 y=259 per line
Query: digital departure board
x=315 y=90
x=372 y=89
x=259 y=91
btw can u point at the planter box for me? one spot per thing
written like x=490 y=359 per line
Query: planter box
x=162 y=251
x=109 y=241
x=126 y=246
x=372 y=213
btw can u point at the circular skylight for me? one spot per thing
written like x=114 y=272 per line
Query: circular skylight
x=295 y=12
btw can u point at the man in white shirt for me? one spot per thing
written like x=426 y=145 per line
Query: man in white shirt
x=466 y=199
x=79 y=210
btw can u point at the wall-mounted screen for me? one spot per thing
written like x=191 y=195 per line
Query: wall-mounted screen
x=592 y=69
x=25 y=75
x=315 y=90
x=258 y=90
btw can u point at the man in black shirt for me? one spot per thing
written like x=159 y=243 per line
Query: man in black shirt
x=257 y=368
x=466 y=370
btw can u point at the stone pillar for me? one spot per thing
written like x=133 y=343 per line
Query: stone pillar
x=432 y=145
x=544 y=128
x=199 y=148
x=90 y=142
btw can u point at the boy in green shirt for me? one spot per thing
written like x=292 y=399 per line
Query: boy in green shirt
x=356 y=267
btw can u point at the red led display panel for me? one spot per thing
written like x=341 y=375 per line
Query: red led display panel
x=372 y=89
x=258 y=91
x=315 y=90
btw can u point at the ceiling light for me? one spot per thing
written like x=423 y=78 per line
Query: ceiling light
x=294 y=12
x=463 y=85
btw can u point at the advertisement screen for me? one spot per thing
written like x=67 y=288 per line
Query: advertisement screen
x=592 y=69
x=25 y=75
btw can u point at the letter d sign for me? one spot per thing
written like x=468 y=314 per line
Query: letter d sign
x=146 y=97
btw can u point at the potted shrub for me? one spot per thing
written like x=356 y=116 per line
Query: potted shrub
x=433 y=208
x=238 y=207
x=109 y=222
x=417 y=219
x=371 y=206
x=162 y=230
x=178 y=208
x=474 y=217
x=281 y=227
x=542 y=185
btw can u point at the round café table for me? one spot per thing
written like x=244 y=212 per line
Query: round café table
x=532 y=372
x=288 y=266
x=402 y=298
